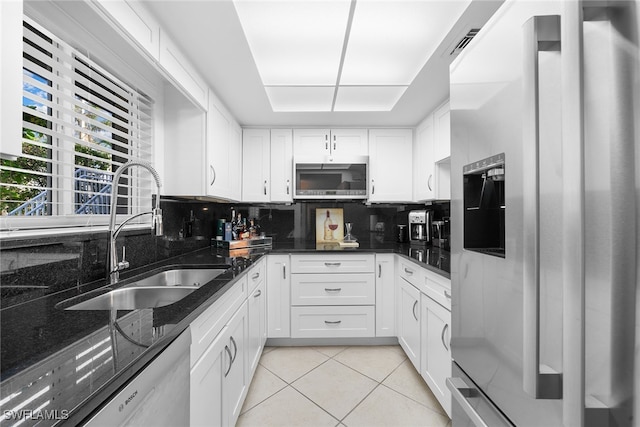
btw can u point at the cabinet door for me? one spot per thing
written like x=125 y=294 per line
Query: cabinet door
x=236 y=379
x=218 y=153
x=436 y=349
x=385 y=295
x=256 y=160
x=408 y=318
x=278 y=296
x=207 y=381
x=235 y=162
x=312 y=143
x=390 y=165
x=349 y=142
x=11 y=16
x=257 y=308
x=281 y=165
x=423 y=165
x=442 y=122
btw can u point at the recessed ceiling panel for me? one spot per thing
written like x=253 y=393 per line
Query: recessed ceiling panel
x=300 y=98
x=295 y=42
x=368 y=98
x=390 y=41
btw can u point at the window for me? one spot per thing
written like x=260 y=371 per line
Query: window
x=80 y=123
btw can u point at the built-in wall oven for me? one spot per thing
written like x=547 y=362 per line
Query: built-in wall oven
x=331 y=178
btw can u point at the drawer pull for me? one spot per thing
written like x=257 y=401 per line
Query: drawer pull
x=257 y=294
x=332 y=264
x=333 y=289
x=447 y=294
x=255 y=276
x=379 y=270
x=406 y=270
x=333 y=322
x=284 y=271
x=413 y=310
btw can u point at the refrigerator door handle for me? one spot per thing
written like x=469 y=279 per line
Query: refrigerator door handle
x=541 y=33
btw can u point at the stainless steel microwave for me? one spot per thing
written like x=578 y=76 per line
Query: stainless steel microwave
x=331 y=177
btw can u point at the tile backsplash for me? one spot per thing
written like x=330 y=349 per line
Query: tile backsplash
x=35 y=267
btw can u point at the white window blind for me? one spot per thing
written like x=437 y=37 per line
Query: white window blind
x=80 y=123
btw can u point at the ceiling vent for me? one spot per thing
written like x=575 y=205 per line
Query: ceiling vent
x=463 y=42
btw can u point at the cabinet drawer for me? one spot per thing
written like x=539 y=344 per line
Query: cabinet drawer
x=333 y=263
x=209 y=324
x=332 y=322
x=411 y=273
x=333 y=289
x=438 y=289
x=256 y=275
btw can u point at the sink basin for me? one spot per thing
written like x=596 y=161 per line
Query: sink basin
x=157 y=290
x=179 y=277
x=134 y=298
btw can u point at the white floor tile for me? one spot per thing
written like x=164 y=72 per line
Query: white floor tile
x=286 y=408
x=385 y=407
x=290 y=363
x=373 y=361
x=407 y=381
x=330 y=350
x=335 y=388
x=263 y=385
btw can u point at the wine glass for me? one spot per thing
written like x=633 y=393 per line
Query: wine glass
x=348 y=237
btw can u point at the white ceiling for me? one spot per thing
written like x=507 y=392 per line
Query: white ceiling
x=210 y=35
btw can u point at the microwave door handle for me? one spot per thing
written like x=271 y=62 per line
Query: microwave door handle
x=541 y=33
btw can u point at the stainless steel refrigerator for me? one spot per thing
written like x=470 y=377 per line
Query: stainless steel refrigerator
x=545 y=179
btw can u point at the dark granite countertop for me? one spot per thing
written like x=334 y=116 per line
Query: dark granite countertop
x=53 y=353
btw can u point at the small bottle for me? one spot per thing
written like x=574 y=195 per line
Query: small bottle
x=245 y=229
x=252 y=229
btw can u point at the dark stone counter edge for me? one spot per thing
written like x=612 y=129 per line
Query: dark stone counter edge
x=101 y=397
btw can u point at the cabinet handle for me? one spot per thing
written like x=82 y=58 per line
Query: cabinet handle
x=235 y=349
x=326 y=141
x=413 y=310
x=284 y=271
x=265 y=187
x=226 y=348
x=429 y=182
x=444 y=331
x=213 y=174
x=406 y=270
x=257 y=294
x=255 y=276
x=287 y=186
x=333 y=322
x=332 y=264
x=373 y=186
x=333 y=289
x=447 y=294
x=379 y=270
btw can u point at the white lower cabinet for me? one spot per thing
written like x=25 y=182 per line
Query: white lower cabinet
x=332 y=321
x=278 y=296
x=385 y=295
x=257 y=320
x=436 y=349
x=408 y=320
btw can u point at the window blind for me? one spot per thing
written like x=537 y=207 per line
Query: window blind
x=80 y=123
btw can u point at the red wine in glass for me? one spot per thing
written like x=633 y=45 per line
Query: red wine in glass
x=333 y=227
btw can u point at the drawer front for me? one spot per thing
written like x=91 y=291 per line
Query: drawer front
x=257 y=275
x=333 y=263
x=411 y=272
x=332 y=322
x=438 y=289
x=209 y=324
x=333 y=289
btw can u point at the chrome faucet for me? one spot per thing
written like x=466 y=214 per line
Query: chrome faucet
x=156 y=219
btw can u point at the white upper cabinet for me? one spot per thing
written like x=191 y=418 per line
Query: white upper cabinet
x=136 y=21
x=11 y=79
x=281 y=165
x=256 y=158
x=442 y=123
x=390 y=165
x=224 y=145
x=330 y=142
x=423 y=165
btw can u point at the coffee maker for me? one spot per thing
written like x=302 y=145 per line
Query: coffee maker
x=420 y=223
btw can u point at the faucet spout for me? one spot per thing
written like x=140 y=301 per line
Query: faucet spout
x=156 y=217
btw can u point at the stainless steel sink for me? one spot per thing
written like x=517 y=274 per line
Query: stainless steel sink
x=134 y=298
x=157 y=290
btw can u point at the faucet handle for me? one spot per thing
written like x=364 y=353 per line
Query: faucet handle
x=124 y=263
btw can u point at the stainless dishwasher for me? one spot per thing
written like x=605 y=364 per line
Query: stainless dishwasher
x=158 y=396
